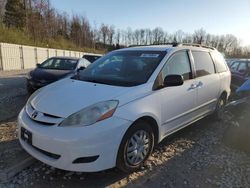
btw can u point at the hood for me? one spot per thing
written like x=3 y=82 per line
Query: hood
x=68 y=96
x=49 y=74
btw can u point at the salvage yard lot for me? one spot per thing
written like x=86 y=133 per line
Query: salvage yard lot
x=193 y=157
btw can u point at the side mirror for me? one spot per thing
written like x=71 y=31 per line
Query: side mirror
x=81 y=68
x=173 y=80
x=37 y=65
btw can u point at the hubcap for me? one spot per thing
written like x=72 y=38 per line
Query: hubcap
x=220 y=109
x=138 y=147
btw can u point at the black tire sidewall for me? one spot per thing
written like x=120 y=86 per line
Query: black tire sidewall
x=217 y=115
x=121 y=161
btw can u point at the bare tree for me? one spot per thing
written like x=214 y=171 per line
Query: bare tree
x=158 y=35
x=104 y=30
x=111 y=33
x=179 y=35
x=118 y=37
x=2 y=10
x=199 y=36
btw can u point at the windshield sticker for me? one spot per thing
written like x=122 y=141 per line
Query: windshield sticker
x=150 y=55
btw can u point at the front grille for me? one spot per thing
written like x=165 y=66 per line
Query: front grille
x=42 y=118
x=49 y=115
x=43 y=123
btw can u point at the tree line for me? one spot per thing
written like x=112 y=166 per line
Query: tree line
x=43 y=22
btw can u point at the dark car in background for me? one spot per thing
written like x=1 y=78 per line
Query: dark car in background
x=240 y=70
x=91 y=58
x=230 y=61
x=54 y=69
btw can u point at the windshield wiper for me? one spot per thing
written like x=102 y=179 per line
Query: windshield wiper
x=96 y=81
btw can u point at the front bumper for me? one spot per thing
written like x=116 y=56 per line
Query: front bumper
x=101 y=139
x=36 y=84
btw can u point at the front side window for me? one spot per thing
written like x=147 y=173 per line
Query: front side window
x=123 y=68
x=59 y=64
x=178 y=64
x=203 y=63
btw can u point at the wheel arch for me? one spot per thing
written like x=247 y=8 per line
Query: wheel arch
x=224 y=94
x=154 y=125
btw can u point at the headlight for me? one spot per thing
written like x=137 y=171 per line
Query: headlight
x=91 y=114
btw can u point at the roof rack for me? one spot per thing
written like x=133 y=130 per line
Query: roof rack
x=196 y=45
x=175 y=44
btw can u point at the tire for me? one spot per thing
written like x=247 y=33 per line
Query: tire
x=129 y=161
x=222 y=101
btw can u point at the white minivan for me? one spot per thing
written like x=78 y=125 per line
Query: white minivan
x=114 y=112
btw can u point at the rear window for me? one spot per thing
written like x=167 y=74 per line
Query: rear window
x=91 y=58
x=203 y=63
x=220 y=63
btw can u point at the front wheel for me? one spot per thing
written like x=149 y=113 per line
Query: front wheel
x=136 y=146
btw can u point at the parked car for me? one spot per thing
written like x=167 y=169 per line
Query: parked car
x=122 y=105
x=241 y=101
x=54 y=69
x=240 y=70
x=91 y=58
x=230 y=61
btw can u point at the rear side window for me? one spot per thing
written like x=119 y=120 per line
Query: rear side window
x=220 y=63
x=203 y=63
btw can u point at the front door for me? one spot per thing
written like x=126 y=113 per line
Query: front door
x=178 y=102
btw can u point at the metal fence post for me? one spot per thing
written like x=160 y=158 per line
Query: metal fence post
x=1 y=57
x=36 y=56
x=21 y=57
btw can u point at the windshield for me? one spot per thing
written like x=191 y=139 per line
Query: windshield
x=123 y=68
x=59 y=64
x=91 y=58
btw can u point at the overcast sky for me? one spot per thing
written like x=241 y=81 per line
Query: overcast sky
x=215 y=16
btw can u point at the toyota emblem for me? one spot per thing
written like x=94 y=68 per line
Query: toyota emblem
x=34 y=114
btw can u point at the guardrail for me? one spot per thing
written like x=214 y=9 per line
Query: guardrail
x=16 y=57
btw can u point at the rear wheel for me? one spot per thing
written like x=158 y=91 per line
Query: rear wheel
x=136 y=146
x=219 y=111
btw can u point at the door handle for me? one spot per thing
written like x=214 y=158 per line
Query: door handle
x=192 y=86
x=200 y=84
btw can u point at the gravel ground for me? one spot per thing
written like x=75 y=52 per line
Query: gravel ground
x=13 y=93
x=9 y=146
x=193 y=157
